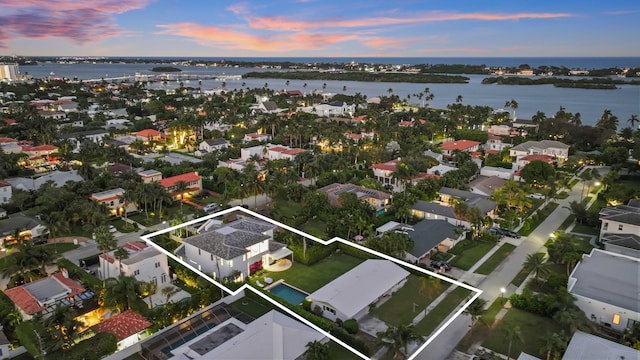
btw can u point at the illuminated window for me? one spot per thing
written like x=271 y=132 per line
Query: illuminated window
x=616 y=319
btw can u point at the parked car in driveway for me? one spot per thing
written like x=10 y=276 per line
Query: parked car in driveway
x=510 y=233
x=211 y=207
x=536 y=196
x=39 y=240
x=440 y=265
x=112 y=228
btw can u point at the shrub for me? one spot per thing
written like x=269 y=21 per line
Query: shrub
x=351 y=326
x=94 y=348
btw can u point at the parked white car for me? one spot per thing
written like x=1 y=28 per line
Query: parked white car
x=536 y=196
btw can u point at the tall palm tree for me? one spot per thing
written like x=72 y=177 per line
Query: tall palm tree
x=180 y=188
x=513 y=334
x=554 y=345
x=317 y=350
x=105 y=241
x=120 y=254
x=149 y=289
x=537 y=264
x=475 y=310
x=633 y=120
x=398 y=338
x=121 y=293
x=168 y=292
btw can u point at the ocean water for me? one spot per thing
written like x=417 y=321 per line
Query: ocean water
x=623 y=102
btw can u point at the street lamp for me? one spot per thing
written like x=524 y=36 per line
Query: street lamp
x=502 y=291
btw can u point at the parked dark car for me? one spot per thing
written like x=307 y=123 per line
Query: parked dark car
x=495 y=231
x=39 y=240
x=510 y=233
x=440 y=265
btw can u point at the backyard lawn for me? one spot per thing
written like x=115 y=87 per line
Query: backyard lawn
x=312 y=278
x=337 y=351
x=534 y=329
x=583 y=244
x=250 y=307
x=398 y=309
x=315 y=228
x=472 y=251
x=437 y=315
x=288 y=208
x=585 y=229
x=496 y=259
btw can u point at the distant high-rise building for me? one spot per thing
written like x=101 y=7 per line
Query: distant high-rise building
x=9 y=72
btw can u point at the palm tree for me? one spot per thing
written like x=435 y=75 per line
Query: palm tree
x=459 y=99
x=475 y=310
x=554 y=345
x=168 y=292
x=121 y=293
x=149 y=289
x=317 y=350
x=513 y=334
x=398 y=338
x=106 y=242
x=633 y=120
x=537 y=264
x=120 y=254
x=180 y=188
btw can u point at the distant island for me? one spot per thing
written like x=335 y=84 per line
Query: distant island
x=165 y=69
x=360 y=76
x=592 y=83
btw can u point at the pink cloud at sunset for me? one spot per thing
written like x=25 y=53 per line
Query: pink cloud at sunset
x=74 y=20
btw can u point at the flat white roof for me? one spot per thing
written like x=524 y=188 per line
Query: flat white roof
x=388 y=226
x=271 y=336
x=608 y=277
x=360 y=286
x=586 y=346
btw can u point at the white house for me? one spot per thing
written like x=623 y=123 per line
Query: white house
x=145 y=263
x=128 y=328
x=349 y=296
x=450 y=147
x=271 y=336
x=5 y=192
x=384 y=174
x=551 y=148
x=257 y=137
x=587 y=346
x=149 y=176
x=606 y=286
x=495 y=143
x=76 y=138
x=283 y=152
x=621 y=219
x=235 y=249
x=337 y=108
x=502 y=173
x=114 y=200
x=211 y=145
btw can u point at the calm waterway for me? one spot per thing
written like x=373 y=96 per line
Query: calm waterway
x=623 y=102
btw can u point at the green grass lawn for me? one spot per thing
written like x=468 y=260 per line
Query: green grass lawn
x=208 y=199
x=434 y=317
x=520 y=277
x=288 y=208
x=585 y=229
x=312 y=278
x=534 y=329
x=315 y=228
x=582 y=244
x=573 y=183
x=542 y=215
x=496 y=259
x=467 y=258
x=568 y=221
x=398 y=310
x=337 y=351
x=61 y=247
x=479 y=331
x=598 y=204
x=562 y=195
x=250 y=307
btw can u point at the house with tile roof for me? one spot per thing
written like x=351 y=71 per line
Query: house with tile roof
x=192 y=180
x=5 y=192
x=450 y=147
x=149 y=135
x=379 y=200
x=128 y=327
x=43 y=296
x=555 y=149
x=233 y=249
x=256 y=137
x=383 y=172
x=28 y=226
x=114 y=200
x=149 y=176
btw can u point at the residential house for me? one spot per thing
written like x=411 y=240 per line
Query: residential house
x=384 y=174
x=606 y=287
x=527 y=159
x=555 y=149
x=39 y=151
x=148 y=135
x=449 y=148
x=268 y=107
x=434 y=211
x=625 y=244
x=506 y=174
x=76 y=138
x=5 y=192
x=587 y=346
x=149 y=176
x=449 y=196
x=43 y=296
x=429 y=237
x=128 y=327
x=283 y=152
x=349 y=295
x=495 y=143
x=336 y=108
x=411 y=123
x=57 y=178
x=211 y=145
x=486 y=185
x=379 y=200
x=232 y=250
x=114 y=200
x=440 y=169
x=501 y=130
x=271 y=336
x=143 y=262
x=27 y=226
x=621 y=219
x=435 y=155
x=256 y=137
x=192 y=180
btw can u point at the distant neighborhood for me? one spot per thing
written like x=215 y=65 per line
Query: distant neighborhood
x=541 y=214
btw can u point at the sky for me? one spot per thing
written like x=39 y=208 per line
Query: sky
x=319 y=28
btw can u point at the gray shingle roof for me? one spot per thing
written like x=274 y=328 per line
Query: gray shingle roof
x=462 y=194
x=628 y=218
x=631 y=241
x=427 y=234
x=227 y=243
x=433 y=208
x=214 y=142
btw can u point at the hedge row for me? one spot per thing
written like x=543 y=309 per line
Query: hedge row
x=76 y=272
x=93 y=348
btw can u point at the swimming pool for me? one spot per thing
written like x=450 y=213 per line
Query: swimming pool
x=291 y=295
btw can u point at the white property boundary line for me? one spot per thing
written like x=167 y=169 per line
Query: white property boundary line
x=147 y=239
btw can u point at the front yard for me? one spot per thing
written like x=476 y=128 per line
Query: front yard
x=469 y=252
x=496 y=259
x=440 y=312
x=419 y=290
x=313 y=277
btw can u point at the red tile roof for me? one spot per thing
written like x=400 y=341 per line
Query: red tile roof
x=491 y=151
x=545 y=158
x=458 y=145
x=4 y=140
x=135 y=245
x=30 y=305
x=294 y=151
x=171 y=181
x=123 y=325
x=148 y=133
x=9 y=121
x=278 y=149
x=40 y=148
x=388 y=166
x=76 y=288
x=4 y=183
